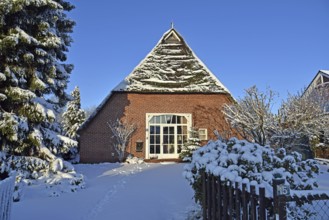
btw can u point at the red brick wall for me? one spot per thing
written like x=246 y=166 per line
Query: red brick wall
x=95 y=138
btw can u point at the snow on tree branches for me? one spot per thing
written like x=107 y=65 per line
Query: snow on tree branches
x=34 y=39
x=300 y=119
x=121 y=132
x=74 y=116
x=301 y=116
x=251 y=116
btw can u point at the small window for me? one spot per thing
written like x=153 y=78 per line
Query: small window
x=203 y=134
x=325 y=79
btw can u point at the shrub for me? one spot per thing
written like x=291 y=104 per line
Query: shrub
x=239 y=159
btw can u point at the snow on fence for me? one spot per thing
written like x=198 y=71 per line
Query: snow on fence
x=6 y=197
x=227 y=200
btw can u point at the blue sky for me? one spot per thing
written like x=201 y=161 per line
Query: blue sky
x=279 y=44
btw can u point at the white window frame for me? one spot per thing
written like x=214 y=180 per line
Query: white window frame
x=188 y=116
x=203 y=132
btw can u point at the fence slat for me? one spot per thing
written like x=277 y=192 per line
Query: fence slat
x=219 y=198
x=213 y=196
x=204 y=194
x=209 y=193
x=253 y=202
x=244 y=202
x=230 y=200
x=262 y=212
x=237 y=202
x=225 y=200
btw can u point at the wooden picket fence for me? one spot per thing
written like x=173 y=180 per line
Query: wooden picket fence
x=227 y=200
x=6 y=197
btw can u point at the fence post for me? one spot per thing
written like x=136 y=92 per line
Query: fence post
x=279 y=200
x=244 y=202
x=276 y=182
x=237 y=202
x=282 y=207
x=262 y=215
x=204 y=194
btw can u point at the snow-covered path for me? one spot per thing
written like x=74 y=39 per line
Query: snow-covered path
x=114 y=191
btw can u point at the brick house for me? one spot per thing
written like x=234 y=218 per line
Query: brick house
x=169 y=92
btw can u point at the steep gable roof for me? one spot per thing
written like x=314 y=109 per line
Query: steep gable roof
x=171 y=67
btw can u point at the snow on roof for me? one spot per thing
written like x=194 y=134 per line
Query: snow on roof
x=171 y=67
x=325 y=71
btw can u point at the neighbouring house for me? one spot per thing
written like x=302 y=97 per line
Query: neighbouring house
x=319 y=87
x=169 y=92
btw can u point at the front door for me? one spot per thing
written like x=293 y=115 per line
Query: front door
x=168 y=145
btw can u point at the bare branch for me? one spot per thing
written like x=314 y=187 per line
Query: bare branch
x=121 y=132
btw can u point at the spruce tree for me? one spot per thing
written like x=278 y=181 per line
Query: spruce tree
x=34 y=39
x=192 y=144
x=74 y=116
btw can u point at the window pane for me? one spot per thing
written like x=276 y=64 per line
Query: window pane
x=157 y=139
x=157 y=149
x=168 y=119
x=157 y=129
x=172 y=139
x=151 y=149
x=173 y=119
x=184 y=138
x=165 y=149
x=157 y=119
x=179 y=139
x=184 y=129
x=152 y=130
x=179 y=148
x=179 y=119
x=163 y=119
x=152 y=120
x=179 y=129
x=184 y=120
x=165 y=130
x=152 y=139
x=171 y=149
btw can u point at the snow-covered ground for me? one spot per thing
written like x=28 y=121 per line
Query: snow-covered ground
x=120 y=191
x=114 y=191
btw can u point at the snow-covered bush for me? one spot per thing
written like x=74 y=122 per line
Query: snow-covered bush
x=134 y=160
x=239 y=160
x=58 y=175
